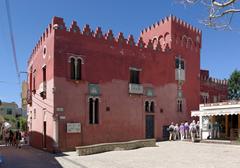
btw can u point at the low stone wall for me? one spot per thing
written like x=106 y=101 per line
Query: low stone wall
x=104 y=147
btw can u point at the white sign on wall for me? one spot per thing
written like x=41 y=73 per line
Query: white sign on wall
x=135 y=88
x=73 y=127
x=59 y=109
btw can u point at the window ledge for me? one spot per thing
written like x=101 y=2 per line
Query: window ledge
x=76 y=81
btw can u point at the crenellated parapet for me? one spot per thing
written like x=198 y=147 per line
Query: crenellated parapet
x=217 y=81
x=108 y=36
x=204 y=77
x=58 y=24
x=172 y=31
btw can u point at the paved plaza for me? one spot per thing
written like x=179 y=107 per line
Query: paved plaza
x=27 y=157
x=166 y=155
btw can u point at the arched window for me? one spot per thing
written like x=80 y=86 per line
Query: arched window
x=179 y=105
x=184 y=41
x=72 y=68
x=76 y=68
x=96 y=110
x=146 y=106
x=93 y=110
x=155 y=42
x=152 y=107
x=189 y=43
x=79 y=69
x=161 y=41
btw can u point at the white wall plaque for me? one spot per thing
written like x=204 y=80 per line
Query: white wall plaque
x=73 y=127
x=59 y=109
x=135 y=88
x=62 y=117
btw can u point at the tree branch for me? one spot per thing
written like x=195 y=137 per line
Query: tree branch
x=220 y=12
x=222 y=5
x=229 y=11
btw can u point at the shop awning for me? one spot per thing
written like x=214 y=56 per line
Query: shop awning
x=218 y=112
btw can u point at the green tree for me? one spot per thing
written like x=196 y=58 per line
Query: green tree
x=234 y=86
x=11 y=119
x=17 y=122
x=22 y=123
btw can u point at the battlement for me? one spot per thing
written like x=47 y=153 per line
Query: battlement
x=58 y=24
x=173 y=31
x=175 y=20
x=204 y=77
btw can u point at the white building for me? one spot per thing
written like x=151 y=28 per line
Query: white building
x=219 y=120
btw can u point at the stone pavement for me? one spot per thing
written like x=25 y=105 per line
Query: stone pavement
x=167 y=155
x=26 y=157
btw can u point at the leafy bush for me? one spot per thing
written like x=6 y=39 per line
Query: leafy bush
x=17 y=123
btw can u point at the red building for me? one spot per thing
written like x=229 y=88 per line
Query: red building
x=88 y=87
x=212 y=90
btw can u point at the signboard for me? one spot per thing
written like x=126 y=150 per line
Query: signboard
x=62 y=117
x=59 y=109
x=205 y=123
x=73 y=127
x=93 y=90
x=135 y=88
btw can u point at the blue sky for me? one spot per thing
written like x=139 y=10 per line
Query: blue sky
x=220 y=49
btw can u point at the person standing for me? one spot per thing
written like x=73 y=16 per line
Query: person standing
x=18 y=139
x=186 y=130
x=7 y=134
x=181 y=129
x=11 y=137
x=176 y=132
x=193 y=130
x=198 y=129
x=210 y=130
x=171 y=132
x=216 y=130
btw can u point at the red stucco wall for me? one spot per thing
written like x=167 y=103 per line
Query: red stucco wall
x=213 y=87
x=106 y=62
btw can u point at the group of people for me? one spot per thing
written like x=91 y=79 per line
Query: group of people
x=184 y=131
x=12 y=138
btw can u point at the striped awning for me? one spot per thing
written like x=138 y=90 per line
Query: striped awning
x=218 y=112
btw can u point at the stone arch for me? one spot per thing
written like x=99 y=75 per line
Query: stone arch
x=184 y=41
x=167 y=37
x=75 y=58
x=189 y=43
x=154 y=42
x=161 y=41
